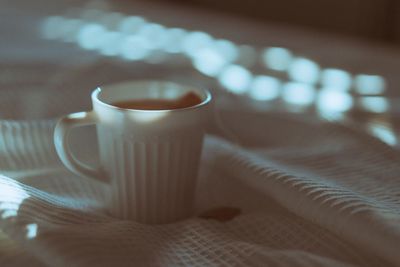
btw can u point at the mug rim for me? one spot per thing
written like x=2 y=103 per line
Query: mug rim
x=95 y=96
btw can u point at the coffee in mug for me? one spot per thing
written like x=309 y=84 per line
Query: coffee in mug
x=185 y=101
x=150 y=137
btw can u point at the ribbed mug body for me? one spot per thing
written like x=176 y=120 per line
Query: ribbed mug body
x=153 y=180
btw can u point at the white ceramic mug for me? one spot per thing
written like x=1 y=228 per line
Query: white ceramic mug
x=149 y=157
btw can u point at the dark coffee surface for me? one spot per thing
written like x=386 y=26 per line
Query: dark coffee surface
x=188 y=100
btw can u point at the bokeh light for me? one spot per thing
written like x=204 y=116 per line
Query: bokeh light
x=376 y=104
x=134 y=38
x=70 y=29
x=174 y=39
x=134 y=48
x=298 y=93
x=265 y=88
x=336 y=78
x=227 y=49
x=194 y=42
x=277 y=58
x=209 y=62
x=304 y=70
x=155 y=34
x=111 y=43
x=331 y=101
x=235 y=78
x=90 y=36
x=370 y=84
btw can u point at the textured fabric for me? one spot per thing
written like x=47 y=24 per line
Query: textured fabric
x=324 y=195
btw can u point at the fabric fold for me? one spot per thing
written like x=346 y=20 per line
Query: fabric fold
x=354 y=196
x=329 y=200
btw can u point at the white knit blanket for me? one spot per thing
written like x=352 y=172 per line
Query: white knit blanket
x=311 y=193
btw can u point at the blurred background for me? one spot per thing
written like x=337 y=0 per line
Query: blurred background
x=331 y=59
x=374 y=20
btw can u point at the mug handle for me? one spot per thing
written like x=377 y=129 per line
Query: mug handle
x=61 y=133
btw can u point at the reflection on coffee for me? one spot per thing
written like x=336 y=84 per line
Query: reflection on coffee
x=188 y=100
